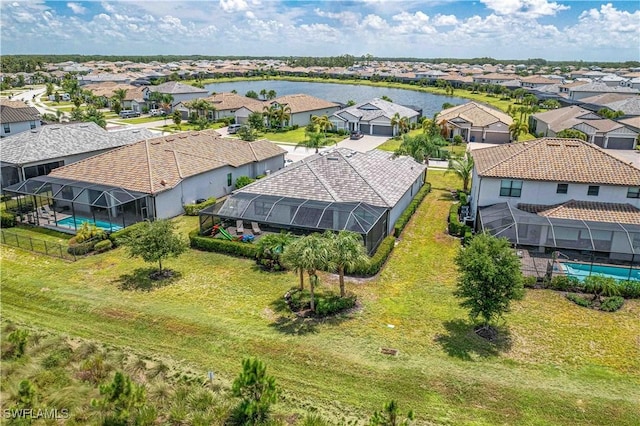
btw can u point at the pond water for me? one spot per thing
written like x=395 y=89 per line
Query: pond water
x=342 y=93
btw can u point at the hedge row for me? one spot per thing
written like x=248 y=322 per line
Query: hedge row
x=119 y=236
x=376 y=262
x=411 y=209
x=219 y=245
x=455 y=226
x=194 y=209
x=627 y=289
x=7 y=220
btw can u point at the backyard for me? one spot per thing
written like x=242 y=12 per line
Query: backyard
x=556 y=363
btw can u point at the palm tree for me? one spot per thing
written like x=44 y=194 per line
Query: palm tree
x=395 y=121
x=323 y=123
x=463 y=167
x=310 y=253
x=347 y=253
x=314 y=140
x=271 y=94
x=268 y=111
x=517 y=128
x=166 y=100
x=403 y=125
x=120 y=95
x=263 y=94
x=283 y=114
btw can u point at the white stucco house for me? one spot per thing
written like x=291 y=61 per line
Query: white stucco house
x=373 y=117
x=558 y=193
x=475 y=122
x=17 y=117
x=301 y=107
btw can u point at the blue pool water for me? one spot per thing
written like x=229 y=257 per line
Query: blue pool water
x=68 y=222
x=581 y=271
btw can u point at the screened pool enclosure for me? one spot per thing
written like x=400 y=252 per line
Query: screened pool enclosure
x=65 y=204
x=300 y=215
x=614 y=240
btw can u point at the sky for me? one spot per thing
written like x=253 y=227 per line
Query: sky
x=501 y=29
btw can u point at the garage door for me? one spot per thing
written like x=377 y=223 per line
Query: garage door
x=383 y=130
x=364 y=128
x=620 y=143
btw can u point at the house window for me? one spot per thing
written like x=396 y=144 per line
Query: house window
x=7 y=128
x=32 y=124
x=633 y=192
x=510 y=188
x=562 y=188
x=229 y=179
x=593 y=190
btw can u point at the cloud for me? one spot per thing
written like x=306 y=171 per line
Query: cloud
x=77 y=8
x=233 y=5
x=525 y=8
x=444 y=20
x=374 y=22
x=344 y=17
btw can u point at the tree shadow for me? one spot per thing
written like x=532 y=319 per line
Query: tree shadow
x=463 y=342
x=146 y=279
x=300 y=323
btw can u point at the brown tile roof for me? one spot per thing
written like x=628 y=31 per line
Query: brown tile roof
x=302 y=102
x=232 y=101
x=475 y=113
x=154 y=165
x=588 y=211
x=556 y=160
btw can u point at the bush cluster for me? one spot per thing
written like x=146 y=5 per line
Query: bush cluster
x=327 y=303
x=219 y=245
x=612 y=304
x=455 y=226
x=7 y=220
x=630 y=289
x=194 y=209
x=118 y=237
x=80 y=248
x=243 y=181
x=579 y=300
x=103 y=246
x=411 y=209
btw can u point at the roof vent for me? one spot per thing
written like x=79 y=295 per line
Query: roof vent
x=333 y=158
x=163 y=182
x=169 y=139
x=182 y=136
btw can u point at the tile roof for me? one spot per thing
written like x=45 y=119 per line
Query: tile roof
x=566 y=118
x=556 y=160
x=17 y=112
x=370 y=110
x=587 y=211
x=301 y=103
x=233 y=101
x=341 y=175
x=60 y=140
x=176 y=88
x=162 y=163
x=632 y=122
x=630 y=106
x=475 y=113
x=602 y=87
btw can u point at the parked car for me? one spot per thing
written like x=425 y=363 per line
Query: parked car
x=128 y=113
x=356 y=135
x=156 y=112
x=233 y=128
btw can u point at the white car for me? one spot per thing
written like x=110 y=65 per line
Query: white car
x=233 y=128
x=155 y=112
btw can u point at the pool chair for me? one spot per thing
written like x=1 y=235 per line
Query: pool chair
x=239 y=227
x=256 y=229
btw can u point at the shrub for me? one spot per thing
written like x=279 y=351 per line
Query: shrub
x=564 y=283
x=194 y=209
x=103 y=246
x=579 y=300
x=118 y=237
x=468 y=235
x=80 y=248
x=457 y=140
x=630 y=289
x=612 y=304
x=219 y=245
x=379 y=258
x=243 y=181
x=7 y=220
x=456 y=227
x=329 y=304
x=530 y=282
x=411 y=209
x=89 y=231
x=463 y=197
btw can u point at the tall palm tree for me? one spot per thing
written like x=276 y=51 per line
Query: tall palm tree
x=271 y=94
x=314 y=140
x=403 y=125
x=517 y=128
x=166 y=100
x=463 y=167
x=283 y=114
x=120 y=94
x=310 y=253
x=395 y=121
x=323 y=123
x=347 y=253
x=263 y=94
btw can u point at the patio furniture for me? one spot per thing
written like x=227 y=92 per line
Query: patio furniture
x=239 y=227
x=256 y=229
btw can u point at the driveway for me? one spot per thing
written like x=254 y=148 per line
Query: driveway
x=367 y=143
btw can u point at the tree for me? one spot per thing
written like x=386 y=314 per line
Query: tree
x=347 y=253
x=310 y=253
x=421 y=147
x=386 y=98
x=177 y=118
x=251 y=94
x=322 y=122
x=155 y=241
x=256 y=121
x=271 y=94
x=95 y=115
x=351 y=102
x=76 y=114
x=395 y=123
x=263 y=94
x=270 y=249
x=517 y=128
x=314 y=140
x=489 y=278
x=120 y=95
x=121 y=401
x=116 y=106
x=551 y=104
x=609 y=113
x=257 y=390
x=389 y=416
x=463 y=168
x=282 y=114
x=572 y=134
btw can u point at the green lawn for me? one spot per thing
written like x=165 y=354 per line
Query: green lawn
x=559 y=363
x=139 y=120
x=298 y=135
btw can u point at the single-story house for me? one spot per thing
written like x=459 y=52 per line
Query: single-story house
x=602 y=132
x=180 y=92
x=39 y=151
x=227 y=104
x=302 y=107
x=559 y=194
x=592 y=89
x=373 y=117
x=149 y=179
x=339 y=189
x=477 y=123
x=17 y=117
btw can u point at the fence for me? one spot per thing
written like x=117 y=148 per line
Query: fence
x=36 y=245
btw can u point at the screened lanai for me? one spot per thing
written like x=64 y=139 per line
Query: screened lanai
x=65 y=204
x=300 y=215
x=613 y=239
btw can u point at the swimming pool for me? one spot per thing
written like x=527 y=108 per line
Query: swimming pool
x=68 y=222
x=583 y=270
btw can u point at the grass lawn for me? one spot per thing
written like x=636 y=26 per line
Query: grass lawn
x=393 y=144
x=139 y=120
x=298 y=135
x=557 y=363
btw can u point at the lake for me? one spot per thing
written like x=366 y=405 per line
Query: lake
x=341 y=93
